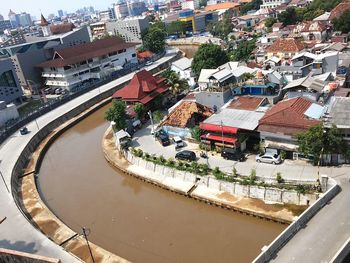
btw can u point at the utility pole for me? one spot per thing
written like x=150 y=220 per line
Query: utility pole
x=86 y=233
x=150 y=116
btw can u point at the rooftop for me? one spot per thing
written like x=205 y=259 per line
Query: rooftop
x=288 y=117
x=183 y=63
x=187 y=114
x=225 y=5
x=240 y=119
x=339 y=10
x=246 y=103
x=285 y=45
x=339 y=112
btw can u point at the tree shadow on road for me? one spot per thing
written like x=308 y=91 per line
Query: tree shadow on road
x=18 y=245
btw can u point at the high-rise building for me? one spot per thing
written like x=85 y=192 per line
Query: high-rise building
x=129 y=28
x=1 y=18
x=121 y=10
x=5 y=24
x=136 y=8
x=10 y=89
x=22 y=19
x=13 y=19
x=60 y=13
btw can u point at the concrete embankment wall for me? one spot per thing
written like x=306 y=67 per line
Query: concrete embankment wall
x=266 y=194
x=269 y=252
x=11 y=256
x=35 y=141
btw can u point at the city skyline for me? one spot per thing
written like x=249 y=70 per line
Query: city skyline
x=35 y=8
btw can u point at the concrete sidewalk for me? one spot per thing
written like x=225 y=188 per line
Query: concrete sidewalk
x=16 y=232
x=291 y=170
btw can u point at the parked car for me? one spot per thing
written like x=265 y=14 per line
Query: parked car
x=47 y=91
x=178 y=142
x=232 y=154
x=163 y=138
x=149 y=63
x=24 y=131
x=268 y=158
x=186 y=155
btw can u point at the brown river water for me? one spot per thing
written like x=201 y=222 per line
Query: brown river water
x=134 y=219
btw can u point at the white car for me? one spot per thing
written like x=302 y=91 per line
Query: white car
x=178 y=142
x=149 y=63
x=268 y=158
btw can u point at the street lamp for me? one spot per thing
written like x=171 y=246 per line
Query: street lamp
x=150 y=116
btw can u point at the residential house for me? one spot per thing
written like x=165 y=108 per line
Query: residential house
x=340 y=37
x=251 y=103
x=222 y=129
x=247 y=21
x=184 y=117
x=284 y=48
x=273 y=3
x=311 y=30
x=73 y=66
x=299 y=3
x=281 y=124
x=183 y=68
x=277 y=27
x=337 y=11
x=143 y=88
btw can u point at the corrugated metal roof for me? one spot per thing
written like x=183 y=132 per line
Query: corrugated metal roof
x=315 y=111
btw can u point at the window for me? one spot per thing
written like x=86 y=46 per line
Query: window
x=7 y=79
x=133 y=55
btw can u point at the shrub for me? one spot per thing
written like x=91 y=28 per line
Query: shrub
x=171 y=162
x=204 y=168
x=234 y=172
x=301 y=189
x=258 y=148
x=252 y=176
x=147 y=156
x=245 y=182
x=138 y=153
x=279 y=178
x=162 y=159
x=283 y=155
x=216 y=171
x=180 y=166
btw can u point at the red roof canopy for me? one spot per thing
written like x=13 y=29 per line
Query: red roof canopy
x=217 y=128
x=219 y=138
x=143 y=88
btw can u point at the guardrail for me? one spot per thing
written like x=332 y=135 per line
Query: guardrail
x=270 y=251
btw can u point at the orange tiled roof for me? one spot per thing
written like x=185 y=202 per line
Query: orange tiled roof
x=339 y=10
x=225 y=5
x=246 y=103
x=285 y=45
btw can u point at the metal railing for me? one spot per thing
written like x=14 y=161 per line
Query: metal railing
x=13 y=125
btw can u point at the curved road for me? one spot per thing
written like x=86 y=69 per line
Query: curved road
x=16 y=232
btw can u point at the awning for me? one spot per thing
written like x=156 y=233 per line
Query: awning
x=217 y=128
x=281 y=146
x=219 y=138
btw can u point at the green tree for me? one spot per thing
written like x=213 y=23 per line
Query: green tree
x=151 y=18
x=175 y=83
x=196 y=133
x=154 y=37
x=253 y=5
x=203 y=3
x=158 y=116
x=117 y=114
x=270 y=21
x=343 y=22
x=176 y=27
x=318 y=139
x=289 y=17
x=208 y=56
x=243 y=51
x=221 y=28
x=246 y=76
x=139 y=108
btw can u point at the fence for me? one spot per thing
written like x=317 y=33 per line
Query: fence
x=13 y=126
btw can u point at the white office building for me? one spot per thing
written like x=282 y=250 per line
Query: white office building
x=72 y=67
x=273 y=3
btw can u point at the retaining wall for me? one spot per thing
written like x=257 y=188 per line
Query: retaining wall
x=269 y=252
x=342 y=253
x=269 y=195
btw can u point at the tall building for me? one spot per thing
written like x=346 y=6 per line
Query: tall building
x=189 y=4
x=26 y=56
x=13 y=19
x=121 y=10
x=5 y=24
x=129 y=28
x=107 y=15
x=1 y=18
x=22 y=19
x=10 y=89
x=136 y=8
x=60 y=13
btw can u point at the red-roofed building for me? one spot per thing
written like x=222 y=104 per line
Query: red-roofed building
x=281 y=124
x=284 y=48
x=339 y=10
x=143 y=87
x=247 y=103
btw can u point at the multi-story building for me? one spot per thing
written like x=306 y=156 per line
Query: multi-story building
x=189 y=4
x=1 y=18
x=5 y=24
x=121 y=10
x=13 y=19
x=136 y=8
x=10 y=89
x=24 y=19
x=273 y=3
x=27 y=55
x=60 y=13
x=129 y=28
x=71 y=67
x=107 y=15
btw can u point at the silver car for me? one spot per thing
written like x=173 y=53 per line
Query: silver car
x=268 y=158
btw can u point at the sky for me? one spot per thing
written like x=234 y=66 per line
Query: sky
x=49 y=6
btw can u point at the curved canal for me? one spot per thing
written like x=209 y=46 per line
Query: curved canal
x=136 y=220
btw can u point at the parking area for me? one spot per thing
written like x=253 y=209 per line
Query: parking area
x=289 y=169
